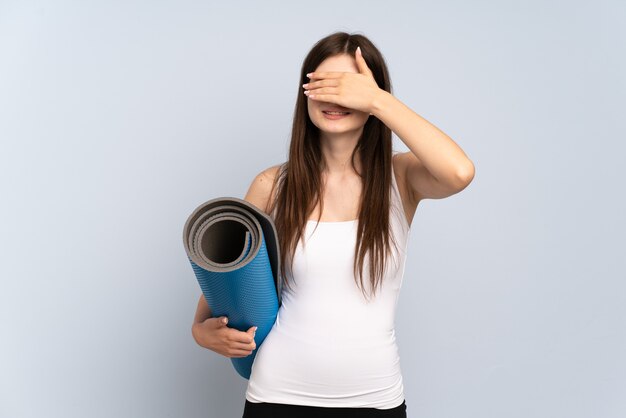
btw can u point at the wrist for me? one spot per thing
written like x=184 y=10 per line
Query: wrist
x=380 y=102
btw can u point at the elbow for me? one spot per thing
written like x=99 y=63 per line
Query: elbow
x=465 y=175
x=194 y=334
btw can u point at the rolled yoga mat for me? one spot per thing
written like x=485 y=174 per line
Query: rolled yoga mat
x=233 y=250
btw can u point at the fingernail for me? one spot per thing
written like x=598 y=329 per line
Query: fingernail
x=225 y=320
x=309 y=75
x=358 y=49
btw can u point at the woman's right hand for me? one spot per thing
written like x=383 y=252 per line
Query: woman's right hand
x=212 y=333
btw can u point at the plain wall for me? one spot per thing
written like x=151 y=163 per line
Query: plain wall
x=118 y=118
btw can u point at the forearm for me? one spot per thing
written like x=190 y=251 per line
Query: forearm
x=441 y=156
x=203 y=311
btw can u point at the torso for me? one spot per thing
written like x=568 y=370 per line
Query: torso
x=329 y=345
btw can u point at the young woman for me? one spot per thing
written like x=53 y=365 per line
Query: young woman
x=343 y=204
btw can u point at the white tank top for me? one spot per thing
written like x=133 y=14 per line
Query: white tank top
x=329 y=346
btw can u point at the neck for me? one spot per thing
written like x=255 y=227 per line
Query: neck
x=337 y=150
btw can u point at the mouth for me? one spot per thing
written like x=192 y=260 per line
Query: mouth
x=336 y=110
x=336 y=113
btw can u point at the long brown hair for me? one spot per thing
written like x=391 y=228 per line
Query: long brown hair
x=299 y=181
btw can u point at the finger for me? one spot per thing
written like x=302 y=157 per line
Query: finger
x=217 y=322
x=360 y=62
x=328 y=98
x=324 y=74
x=321 y=83
x=240 y=336
x=321 y=91
x=243 y=346
x=240 y=353
x=252 y=331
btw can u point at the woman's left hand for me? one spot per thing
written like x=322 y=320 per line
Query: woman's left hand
x=352 y=90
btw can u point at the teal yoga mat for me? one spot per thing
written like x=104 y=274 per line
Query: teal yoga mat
x=233 y=249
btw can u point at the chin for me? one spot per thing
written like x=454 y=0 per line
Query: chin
x=339 y=127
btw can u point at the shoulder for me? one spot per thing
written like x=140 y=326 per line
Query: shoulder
x=261 y=190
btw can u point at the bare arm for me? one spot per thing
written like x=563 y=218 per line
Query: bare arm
x=203 y=312
x=212 y=333
x=436 y=167
x=261 y=190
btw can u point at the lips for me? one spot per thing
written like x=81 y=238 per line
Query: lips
x=328 y=112
x=335 y=111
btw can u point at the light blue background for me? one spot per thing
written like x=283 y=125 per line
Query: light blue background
x=118 y=118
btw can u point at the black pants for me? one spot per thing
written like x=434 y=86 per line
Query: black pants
x=277 y=410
